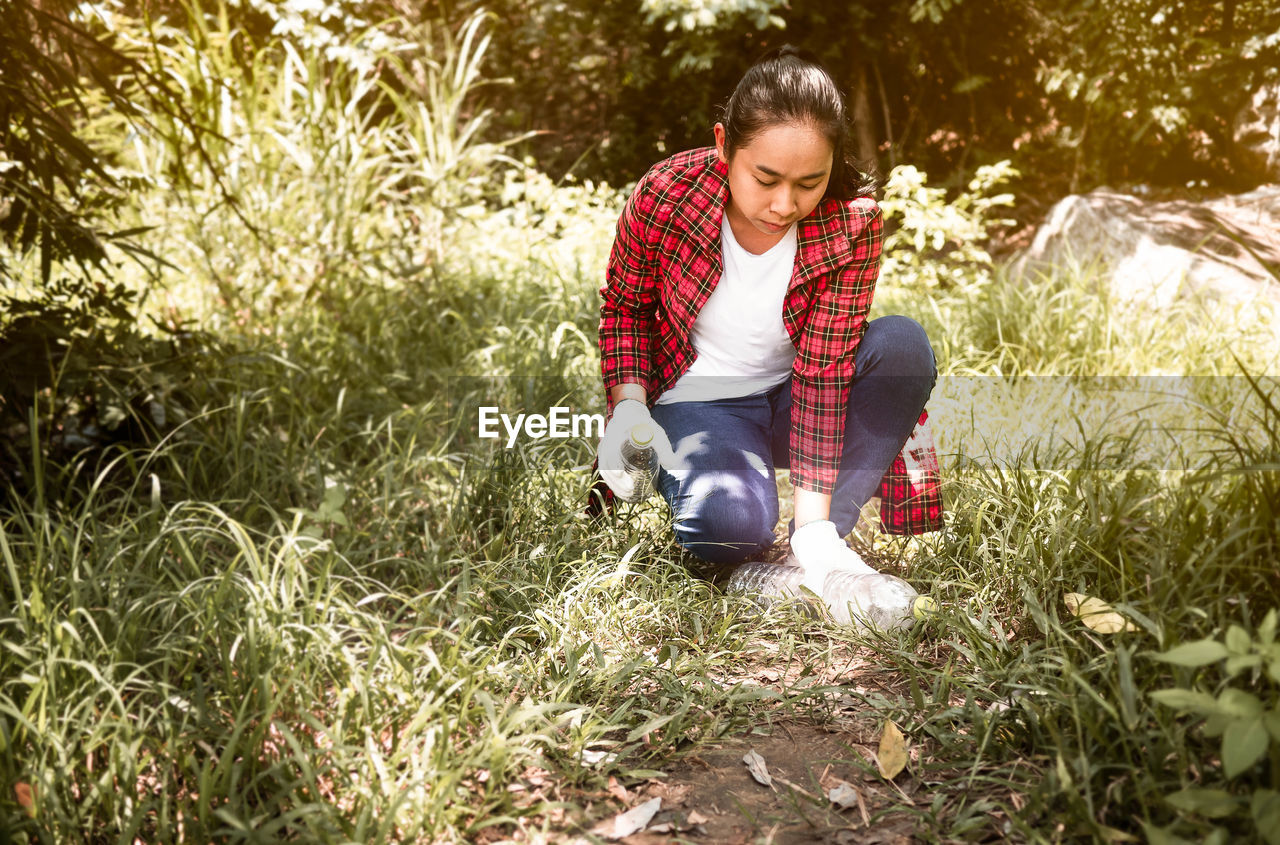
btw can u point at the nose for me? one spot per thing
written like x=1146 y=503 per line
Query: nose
x=784 y=203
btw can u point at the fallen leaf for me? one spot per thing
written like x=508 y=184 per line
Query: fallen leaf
x=26 y=799
x=618 y=791
x=1110 y=834
x=592 y=758
x=843 y=794
x=632 y=821
x=696 y=818
x=892 y=758
x=755 y=765
x=1096 y=614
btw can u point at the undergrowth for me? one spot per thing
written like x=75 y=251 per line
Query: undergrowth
x=313 y=604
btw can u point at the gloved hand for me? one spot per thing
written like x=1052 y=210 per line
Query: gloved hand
x=628 y=413
x=820 y=550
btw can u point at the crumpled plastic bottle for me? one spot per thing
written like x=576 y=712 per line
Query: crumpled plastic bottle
x=864 y=600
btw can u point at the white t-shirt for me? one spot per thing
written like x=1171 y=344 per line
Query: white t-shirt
x=741 y=345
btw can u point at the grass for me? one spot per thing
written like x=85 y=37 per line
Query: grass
x=322 y=610
x=317 y=607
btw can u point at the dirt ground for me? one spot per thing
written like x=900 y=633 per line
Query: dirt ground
x=712 y=797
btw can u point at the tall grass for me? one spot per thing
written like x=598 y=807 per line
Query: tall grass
x=322 y=609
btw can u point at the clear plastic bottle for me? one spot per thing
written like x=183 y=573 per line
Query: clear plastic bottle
x=640 y=459
x=853 y=598
x=767 y=583
x=872 y=599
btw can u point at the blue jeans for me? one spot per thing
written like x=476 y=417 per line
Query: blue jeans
x=725 y=498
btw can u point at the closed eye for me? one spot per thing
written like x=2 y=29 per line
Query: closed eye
x=765 y=184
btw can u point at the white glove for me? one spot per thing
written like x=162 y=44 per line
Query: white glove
x=626 y=414
x=820 y=550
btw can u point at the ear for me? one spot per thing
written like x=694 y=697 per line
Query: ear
x=720 y=143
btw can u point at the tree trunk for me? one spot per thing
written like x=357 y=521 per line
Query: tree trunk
x=865 y=148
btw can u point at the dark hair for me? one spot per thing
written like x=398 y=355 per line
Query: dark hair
x=787 y=85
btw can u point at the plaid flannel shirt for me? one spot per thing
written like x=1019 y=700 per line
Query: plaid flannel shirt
x=665 y=262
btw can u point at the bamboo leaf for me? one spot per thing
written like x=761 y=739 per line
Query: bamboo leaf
x=1265 y=809
x=1238 y=641
x=1185 y=699
x=1211 y=803
x=1239 y=703
x=1243 y=744
x=1198 y=653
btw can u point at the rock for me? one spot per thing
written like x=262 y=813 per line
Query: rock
x=1256 y=134
x=1154 y=252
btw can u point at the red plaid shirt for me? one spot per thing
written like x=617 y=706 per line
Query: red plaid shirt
x=665 y=262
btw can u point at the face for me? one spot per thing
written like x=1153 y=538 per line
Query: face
x=776 y=179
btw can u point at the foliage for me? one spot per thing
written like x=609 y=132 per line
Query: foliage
x=688 y=23
x=76 y=372
x=933 y=242
x=1081 y=94
x=57 y=187
x=1146 y=85
x=280 y=171
x=314 y=606
x=386 y=143
x=1249 y=725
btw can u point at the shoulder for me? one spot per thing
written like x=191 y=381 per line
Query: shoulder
x=840 y=230
x=690 y=176
x=850 y=217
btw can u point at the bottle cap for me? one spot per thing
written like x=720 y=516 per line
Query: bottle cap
x=641 y=434
x=923 y=606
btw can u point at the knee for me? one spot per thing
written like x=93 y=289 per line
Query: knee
x=727 y=525
x=897 y=345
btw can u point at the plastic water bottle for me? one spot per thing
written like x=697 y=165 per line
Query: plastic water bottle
x=863 y=600
x=767 y=583
x=640 y=459
x=872 y=599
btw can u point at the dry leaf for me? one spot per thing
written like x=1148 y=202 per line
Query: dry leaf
x=755 y=765
x=843 y=794
x=892 y=758
x=1096 y=614
x=696 y=818
x=26 y=799
x=592 y=758
x=632 y=821
x=618 y=791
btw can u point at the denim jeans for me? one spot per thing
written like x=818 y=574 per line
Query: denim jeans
x=724 y=498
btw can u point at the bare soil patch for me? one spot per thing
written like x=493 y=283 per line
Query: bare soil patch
x=712 y=797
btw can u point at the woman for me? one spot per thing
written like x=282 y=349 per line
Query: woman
x=734 y=322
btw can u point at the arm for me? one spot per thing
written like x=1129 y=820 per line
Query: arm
x=825 y=363
x=627 y=390
x=811 y=506
x=628 y=300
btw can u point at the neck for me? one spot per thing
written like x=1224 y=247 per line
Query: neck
x=749 y=237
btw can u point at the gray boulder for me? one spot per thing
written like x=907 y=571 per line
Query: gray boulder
x=1154 y=252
